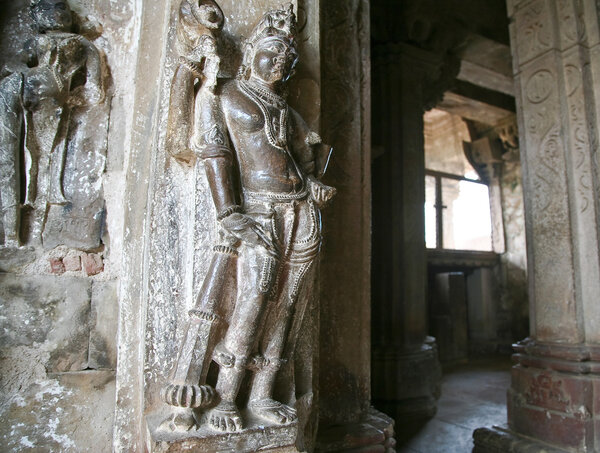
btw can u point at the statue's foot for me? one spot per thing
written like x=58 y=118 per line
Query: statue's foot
x=273 y=411
x=225 y=417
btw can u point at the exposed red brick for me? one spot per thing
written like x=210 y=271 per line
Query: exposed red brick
x=72 y=262
x=92 y=263
x=57 y=266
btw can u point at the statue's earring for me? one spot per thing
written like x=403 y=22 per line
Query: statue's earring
x=245 y=67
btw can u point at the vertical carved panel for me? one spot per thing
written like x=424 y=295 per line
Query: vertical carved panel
x=535 y=35
x=582 y=130
x=550 y=233
x=560 y=142
x=570 y=22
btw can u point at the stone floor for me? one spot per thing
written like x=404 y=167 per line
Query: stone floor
x=473 y=395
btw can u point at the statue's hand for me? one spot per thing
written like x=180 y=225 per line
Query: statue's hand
x=247 y=230
x=320 y=192
x=40 y=83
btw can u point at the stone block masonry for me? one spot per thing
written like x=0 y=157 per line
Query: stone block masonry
x=56 y=333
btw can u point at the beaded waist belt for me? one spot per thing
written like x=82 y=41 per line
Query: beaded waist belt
x=274 y=197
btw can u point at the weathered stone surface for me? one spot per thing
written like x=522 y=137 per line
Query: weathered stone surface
x=59 y=121
x=13 y=259
x=513 y=298
x=80 y=223
x=373 y=433
x=104 y=317
x=67 y=412
x=344 y=315
x=49 y=313
x=255 y=437
x=45 y=325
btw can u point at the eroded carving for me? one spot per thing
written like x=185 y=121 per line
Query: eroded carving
x=57 y=74
x=544 y=389
x=263 y=166
x=539 y=86
x=537 y=35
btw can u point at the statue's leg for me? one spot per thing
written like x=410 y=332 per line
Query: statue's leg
x=285 y=316
x=255 y=275
x=273 y=339
x=41 y=134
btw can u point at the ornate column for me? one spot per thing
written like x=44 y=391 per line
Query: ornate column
x=556 y=382
x=406 y=370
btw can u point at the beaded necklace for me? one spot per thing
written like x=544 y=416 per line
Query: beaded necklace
x=275 y=128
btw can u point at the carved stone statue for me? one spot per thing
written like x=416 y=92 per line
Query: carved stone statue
x=263 y=166
x=59 y=71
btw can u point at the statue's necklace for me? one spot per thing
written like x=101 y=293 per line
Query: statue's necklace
x=267 y=101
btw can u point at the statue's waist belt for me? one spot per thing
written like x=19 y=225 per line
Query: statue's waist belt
x=273 y=197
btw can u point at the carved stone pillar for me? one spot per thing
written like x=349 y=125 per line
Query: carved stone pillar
x=556 y=379
x=406 y=370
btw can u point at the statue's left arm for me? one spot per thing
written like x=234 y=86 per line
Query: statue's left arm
x=312 y=155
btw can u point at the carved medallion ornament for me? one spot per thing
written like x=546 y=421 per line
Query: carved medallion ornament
x=235 y=368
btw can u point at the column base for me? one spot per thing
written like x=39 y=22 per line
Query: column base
x=553 y=398
x=501 y=440
x=406 y=385
x=373 y=433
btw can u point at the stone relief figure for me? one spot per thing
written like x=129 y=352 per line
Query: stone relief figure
x=59 y=71
x=263 y=166
x=198 y=61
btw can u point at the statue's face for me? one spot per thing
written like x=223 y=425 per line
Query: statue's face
x=274 y=59
x=52 y=15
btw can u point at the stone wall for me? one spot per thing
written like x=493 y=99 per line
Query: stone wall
x=59 y=293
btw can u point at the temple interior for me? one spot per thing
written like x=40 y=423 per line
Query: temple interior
x=454 y=304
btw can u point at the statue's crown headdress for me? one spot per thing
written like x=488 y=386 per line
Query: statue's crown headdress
x=279 y=23
x=276 y=23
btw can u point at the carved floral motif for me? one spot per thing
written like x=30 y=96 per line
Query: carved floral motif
x=535 y=33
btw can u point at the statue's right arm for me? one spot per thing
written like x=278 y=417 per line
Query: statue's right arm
x=210 y=142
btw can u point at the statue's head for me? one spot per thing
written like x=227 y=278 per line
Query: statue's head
x=270 y=53
x=51 y=15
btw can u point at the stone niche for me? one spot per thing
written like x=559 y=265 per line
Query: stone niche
x=183 y=230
